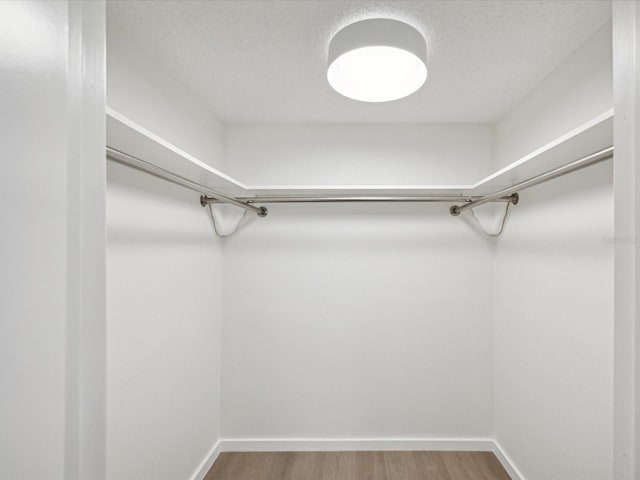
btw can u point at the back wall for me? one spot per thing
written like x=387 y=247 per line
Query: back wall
x=357 y=321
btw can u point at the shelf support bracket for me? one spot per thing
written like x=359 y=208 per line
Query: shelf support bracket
x=260 y=211
x=456 y=210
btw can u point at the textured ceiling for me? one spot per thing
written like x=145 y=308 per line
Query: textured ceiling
x=265 y=61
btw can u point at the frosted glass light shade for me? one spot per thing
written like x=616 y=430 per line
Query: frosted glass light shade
x=377 y=60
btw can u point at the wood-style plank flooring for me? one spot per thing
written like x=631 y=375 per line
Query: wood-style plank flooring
x=357 y=466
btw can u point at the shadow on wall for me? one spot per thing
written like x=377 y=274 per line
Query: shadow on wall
x=144 y=210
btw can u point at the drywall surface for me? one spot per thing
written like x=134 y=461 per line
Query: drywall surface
x=164 y=287
x=32 y=332
x=163 y=292
x=51 y=247
x=357 y=321
x=554 y=330
x=554 y=291
x=357 y=154
x=580 y=89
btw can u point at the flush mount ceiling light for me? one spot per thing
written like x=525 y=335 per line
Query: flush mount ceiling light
x=377 y=60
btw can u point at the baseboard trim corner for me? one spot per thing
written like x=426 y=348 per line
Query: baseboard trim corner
x=207 y=463
x=506 y=462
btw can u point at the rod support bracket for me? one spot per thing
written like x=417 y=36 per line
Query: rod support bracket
x=264 y=211
x=203 y=200
x=454 y=210
x=515 y=198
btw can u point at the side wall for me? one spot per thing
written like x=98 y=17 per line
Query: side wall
x=357 y=322
x=164 y=286
x=554 y=288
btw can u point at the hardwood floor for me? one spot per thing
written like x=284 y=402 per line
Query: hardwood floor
x=357 y=466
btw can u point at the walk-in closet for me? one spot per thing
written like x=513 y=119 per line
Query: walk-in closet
x=319 y=240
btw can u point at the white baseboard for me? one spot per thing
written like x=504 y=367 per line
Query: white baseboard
x=206 y=464
x=357 y=444
x=506 y=462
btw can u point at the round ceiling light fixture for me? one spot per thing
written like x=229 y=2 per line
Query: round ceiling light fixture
x=377 y=60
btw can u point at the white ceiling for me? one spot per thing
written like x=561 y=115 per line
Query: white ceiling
x=265 y=61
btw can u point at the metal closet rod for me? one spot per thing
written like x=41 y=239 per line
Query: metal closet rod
x=138 y=164
x=583 y=162
x=204 y=200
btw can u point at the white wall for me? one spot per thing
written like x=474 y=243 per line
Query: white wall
x=554 y=289
x=367 y=321
x=163 y=286
x=352 y=154
x=164 y=274
x=52 y=245
x=30 y=269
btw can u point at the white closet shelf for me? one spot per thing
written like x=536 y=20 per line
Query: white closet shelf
x=128 y=137
x=588 y=138
x=131 y=139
